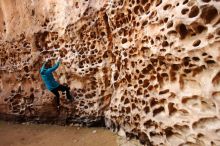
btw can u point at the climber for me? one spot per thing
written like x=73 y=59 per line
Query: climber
x=52 y=85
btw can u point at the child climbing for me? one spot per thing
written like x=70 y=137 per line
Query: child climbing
x=51 y=84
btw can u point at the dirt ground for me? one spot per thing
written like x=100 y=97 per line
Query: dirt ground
x=53 y=135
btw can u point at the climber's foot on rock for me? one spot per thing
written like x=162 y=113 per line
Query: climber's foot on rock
x=70 y=99
x=58 y=108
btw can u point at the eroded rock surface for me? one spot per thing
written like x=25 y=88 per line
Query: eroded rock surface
x=149 y=67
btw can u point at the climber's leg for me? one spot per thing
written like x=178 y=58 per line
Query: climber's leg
x=57 y=97
x=67 y=89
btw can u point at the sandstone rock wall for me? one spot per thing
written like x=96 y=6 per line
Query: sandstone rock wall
x=149 y=67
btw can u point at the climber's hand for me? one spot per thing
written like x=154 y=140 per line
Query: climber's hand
x=47 y=59
x=59 y=60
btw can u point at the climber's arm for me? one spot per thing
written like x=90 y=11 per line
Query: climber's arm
x=52 y=69
x=42 y=68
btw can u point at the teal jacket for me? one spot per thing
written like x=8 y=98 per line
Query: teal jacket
x=47 y=76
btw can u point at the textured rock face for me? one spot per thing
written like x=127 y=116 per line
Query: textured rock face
x=149 y=67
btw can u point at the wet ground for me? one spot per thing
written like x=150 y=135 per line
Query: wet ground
x=52 y=135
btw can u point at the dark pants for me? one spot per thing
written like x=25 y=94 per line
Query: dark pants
x=57 y=95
